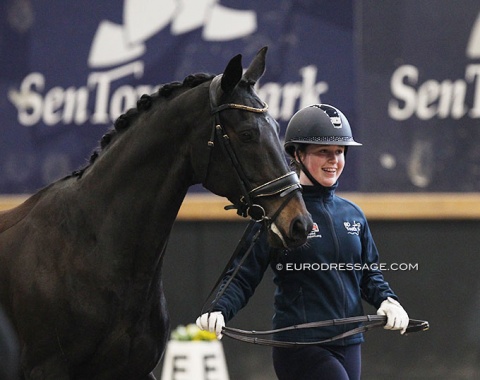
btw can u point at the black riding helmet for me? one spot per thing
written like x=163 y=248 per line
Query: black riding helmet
x=318 y=124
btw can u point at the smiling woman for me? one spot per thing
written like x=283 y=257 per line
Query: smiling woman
x=317 y=139
x=327 y=163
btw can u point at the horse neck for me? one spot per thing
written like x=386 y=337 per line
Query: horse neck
x=138 y=184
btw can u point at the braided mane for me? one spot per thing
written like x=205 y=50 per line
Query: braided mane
x=145 y=102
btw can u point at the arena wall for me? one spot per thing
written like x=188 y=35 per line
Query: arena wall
x=436 y=234
x=441 y=286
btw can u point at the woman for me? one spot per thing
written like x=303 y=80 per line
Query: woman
x=327 y=277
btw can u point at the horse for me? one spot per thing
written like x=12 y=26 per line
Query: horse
x=81 y=259
x=8 y=349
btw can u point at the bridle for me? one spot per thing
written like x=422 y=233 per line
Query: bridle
x=284 y=186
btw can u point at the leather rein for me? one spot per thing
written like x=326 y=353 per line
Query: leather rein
x=258 y=337
x=368 y=322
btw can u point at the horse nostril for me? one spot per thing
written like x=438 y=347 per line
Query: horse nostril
x=300 y=228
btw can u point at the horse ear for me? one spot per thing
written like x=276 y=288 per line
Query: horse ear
x=232 y=74
x=257 y=67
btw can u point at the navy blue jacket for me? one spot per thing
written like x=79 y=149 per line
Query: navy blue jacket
x=324 y=279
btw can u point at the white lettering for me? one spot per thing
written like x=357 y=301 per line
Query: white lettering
x=471 y=75
x=311 y=90
x=70 y=105
x=452 y=99
x=427 y=94
x=282 y=100
x=52 y=105
x=122 y=99
x=102 y=80
x=291 y=92
x=271 y=93
x=432 y=98
x=404 y=109
x=76 y=102
x=29 y=102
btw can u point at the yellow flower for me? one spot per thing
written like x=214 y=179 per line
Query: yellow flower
x=191 y=332
x=206 y=335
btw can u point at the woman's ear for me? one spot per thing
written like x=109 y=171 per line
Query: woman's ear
x=299 y=155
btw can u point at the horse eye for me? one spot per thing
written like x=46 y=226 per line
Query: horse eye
x=246 y=135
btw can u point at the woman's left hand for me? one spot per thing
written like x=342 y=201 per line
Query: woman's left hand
x=397 y=317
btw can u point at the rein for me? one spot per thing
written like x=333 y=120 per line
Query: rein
x=257 y=337
x=368 y=323
x=236 y=253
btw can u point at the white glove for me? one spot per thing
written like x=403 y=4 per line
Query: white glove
x=213 y=322
x=397 y=317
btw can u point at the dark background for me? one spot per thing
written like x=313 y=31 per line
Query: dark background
x=355 y=46
x=444 y=290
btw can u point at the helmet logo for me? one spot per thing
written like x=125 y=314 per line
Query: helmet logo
x=336 y=121
x=332 y=113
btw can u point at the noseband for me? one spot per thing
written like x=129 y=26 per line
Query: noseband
x=283 y=186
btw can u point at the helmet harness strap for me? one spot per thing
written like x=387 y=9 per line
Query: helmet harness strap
x=304 y=169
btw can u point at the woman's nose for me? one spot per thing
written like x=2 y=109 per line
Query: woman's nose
x=332 y=157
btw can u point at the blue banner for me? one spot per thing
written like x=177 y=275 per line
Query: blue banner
x=69 y=69
x=419 y=96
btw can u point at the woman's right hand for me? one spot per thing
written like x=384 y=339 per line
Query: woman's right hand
x=213 y=322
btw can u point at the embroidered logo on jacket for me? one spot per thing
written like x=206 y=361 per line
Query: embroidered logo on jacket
x=315 y=232
x=352 y=228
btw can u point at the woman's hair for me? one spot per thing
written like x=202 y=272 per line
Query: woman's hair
x=294 y=164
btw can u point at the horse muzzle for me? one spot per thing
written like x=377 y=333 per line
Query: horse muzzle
x=297 y=234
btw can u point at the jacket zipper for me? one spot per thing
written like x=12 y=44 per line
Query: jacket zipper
x=329 y=219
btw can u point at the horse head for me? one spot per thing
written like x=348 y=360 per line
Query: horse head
x=245 y=151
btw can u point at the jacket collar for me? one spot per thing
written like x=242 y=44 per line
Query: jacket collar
x=319 y=191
